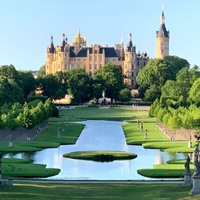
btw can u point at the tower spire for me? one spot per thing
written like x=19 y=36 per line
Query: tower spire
x=162 y=19
x=63 y=42
x=130 y=44
x=51 y=49
x=130 y=36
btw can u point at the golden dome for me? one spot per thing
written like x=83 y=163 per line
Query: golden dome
x=79 y=39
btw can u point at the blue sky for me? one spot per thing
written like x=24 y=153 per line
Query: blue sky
x=26 y=26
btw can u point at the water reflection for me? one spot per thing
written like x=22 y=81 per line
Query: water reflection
x=100 y=135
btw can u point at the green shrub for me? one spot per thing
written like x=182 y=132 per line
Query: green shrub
x=34 y=103
x=34 y=97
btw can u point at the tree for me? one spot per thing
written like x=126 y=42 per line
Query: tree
x=38 y=113
x=98 y=87
x=26 y=82
x=9 y=116
x=154 y=73
x=51 y=87
x=176 y=64
x=153 y=107
x=152 y=93
x=41 y=72
x=170 y=89
x=194 y=93
x=112 y=79
x=26 y=117
x=8 y=71
x=174 y=122
x=9 y=91
x=79 y=85
x=179 y=89
x=194 y=73
x=49 y=107
x=125 y=95
x=157 y=72
x=161 y=113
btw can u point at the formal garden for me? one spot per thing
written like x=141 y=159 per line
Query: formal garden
x=49 y=138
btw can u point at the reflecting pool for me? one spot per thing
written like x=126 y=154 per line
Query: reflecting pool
x=100 y=135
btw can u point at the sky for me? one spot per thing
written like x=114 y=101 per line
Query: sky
x=26 y=27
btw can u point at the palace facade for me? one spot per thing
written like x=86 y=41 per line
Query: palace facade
x=78 y=55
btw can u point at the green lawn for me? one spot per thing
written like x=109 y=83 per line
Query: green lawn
x=13 y=167
x=135 y=137
x=101 y=156
x=83 y=113
x=41 y=191
x=69 y=133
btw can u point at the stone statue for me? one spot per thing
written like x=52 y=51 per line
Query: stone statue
x=145 y=133
x=138 y=122
x=187 y=165
x=103 y=94
x=141 y=127
x=196 y=161
x=103 y=101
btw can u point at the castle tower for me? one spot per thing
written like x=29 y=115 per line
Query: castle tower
x=50 y=57
x=162 y=39
x=129 y=63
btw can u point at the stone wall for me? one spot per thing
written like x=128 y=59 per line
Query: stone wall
x=20 y=133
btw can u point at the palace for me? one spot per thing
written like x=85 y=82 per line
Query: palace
x=65 y=56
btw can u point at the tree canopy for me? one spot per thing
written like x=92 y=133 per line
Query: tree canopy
x=155 y=74
x=79 y=85
x=111 y=79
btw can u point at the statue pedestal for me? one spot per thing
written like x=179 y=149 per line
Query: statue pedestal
x=189 y=144
x=187 y=180
x=196 y=185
